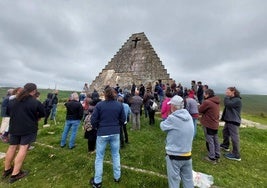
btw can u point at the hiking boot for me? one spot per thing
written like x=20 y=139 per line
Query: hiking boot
x=224 y=148
x=7 y=172
x=212 y=161
x=95 y=185
x=232 y=157
x=20 y=175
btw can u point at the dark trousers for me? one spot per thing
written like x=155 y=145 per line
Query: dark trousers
x=47 y=114
x=91 y=139
x=123 y=134
x=212 y=143
x=231 y=130
x=151 y=115
x=91 y=145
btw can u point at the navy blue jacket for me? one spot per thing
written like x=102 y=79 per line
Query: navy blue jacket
x=107 y=117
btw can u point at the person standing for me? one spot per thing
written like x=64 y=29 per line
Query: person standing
x=232 y=117
x=54 y=105
x=136 y=104
x=73 y=119
x=5 y=118
x=90 y=132
x=107 y=118
x=165 y=108
x=192 y=107
x=210 y=115
x=123 y=132
x=200 y=92
x=24 y=112
x=180 y=131
x=48 y=106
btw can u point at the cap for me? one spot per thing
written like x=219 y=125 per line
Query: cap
x=30 y=87
x=176 y=101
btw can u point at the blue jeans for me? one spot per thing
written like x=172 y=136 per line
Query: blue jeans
x=72 y=125
x=101 y=143
x=178 y=170
x=53 y=112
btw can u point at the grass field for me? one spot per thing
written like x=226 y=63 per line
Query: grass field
x=53 y=167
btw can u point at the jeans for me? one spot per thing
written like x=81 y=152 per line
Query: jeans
x=178 y=170
x=72 y=125
x=101 y=143
x=53 y=112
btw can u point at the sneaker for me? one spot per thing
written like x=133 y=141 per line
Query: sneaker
x=232 y=157
x=7 y=172
x=31 y=148
x=117 y=180
x=212 y=161
x=94 y=185
x=224 y=148
x=20 y=175
x=91 y=152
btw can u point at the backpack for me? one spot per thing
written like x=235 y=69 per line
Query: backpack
x=154 y=105
x=87 y=126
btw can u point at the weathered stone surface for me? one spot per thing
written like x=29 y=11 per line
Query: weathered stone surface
x=135 y=62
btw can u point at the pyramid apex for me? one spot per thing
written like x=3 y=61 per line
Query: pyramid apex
x=135 y=62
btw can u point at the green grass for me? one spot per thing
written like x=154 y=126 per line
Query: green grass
x=56 y=167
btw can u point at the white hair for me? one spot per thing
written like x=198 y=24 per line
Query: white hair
x=75 y=96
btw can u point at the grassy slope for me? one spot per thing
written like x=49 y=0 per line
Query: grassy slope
x=56 y=167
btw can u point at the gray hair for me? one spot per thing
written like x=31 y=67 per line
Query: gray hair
x=74 y=96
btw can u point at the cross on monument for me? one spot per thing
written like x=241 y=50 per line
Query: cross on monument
x=135 y=41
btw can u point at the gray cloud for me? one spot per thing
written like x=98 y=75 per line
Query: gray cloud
x=66 y=43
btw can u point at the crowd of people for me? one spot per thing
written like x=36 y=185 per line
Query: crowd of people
x=105 y=122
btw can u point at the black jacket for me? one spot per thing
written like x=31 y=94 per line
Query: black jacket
x=74 y=110
x=24 y=115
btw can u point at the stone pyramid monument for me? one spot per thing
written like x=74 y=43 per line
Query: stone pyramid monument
x=135 y=62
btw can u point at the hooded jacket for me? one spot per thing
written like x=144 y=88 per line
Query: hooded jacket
x=210 y=111
x=232 y=110
x=180 y=131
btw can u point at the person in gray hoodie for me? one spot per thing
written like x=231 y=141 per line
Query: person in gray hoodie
x=179 y=127
x=232 y=117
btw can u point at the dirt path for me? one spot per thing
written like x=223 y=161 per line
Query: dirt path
x=248 y=123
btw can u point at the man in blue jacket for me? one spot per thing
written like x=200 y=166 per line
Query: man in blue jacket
x=107 y=118
x=179 y=127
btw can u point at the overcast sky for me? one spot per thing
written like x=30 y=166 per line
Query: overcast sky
x=65 y=43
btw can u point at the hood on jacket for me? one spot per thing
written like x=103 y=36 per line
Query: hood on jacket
x=215 y=99
x=182 y=114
